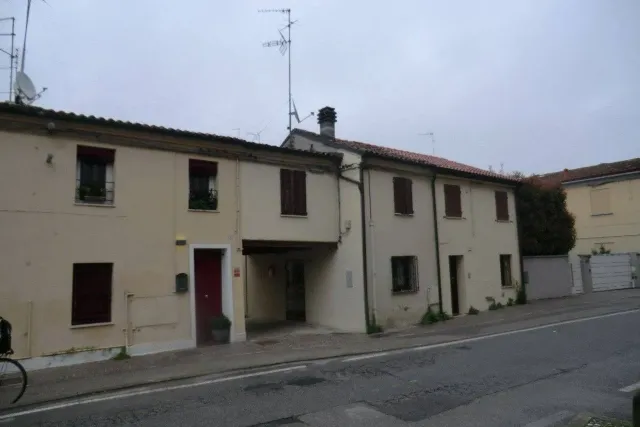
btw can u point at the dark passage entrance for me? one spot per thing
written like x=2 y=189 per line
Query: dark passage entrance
x=295 y=295
x=454 y=261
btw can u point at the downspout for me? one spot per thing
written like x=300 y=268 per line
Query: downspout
x=339 y=208
x=437 y=239
x=363 y=219
x=519 y=236
x=370 y=225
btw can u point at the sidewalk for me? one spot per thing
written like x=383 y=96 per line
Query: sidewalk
x=90 y=378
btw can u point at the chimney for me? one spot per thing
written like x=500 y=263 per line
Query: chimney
x=327 y=122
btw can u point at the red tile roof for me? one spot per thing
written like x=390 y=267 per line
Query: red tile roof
x=595 y=171
x=408 y=156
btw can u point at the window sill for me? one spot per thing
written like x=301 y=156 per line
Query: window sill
x=504 y=221
x=91 y=325
x=396 y=293
x=95 y=205
x=204 y=210
x=603 y=214
x=404 y=214
x=454 y=217
x=508 y=287
x=293 y=216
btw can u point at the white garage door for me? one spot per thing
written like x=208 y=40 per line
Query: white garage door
x=610 y=272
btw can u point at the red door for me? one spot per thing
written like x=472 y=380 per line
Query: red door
x=208 y=284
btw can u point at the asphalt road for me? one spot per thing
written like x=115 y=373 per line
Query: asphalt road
x=530 y=378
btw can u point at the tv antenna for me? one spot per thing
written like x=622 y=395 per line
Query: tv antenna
x=256 y=135
x=26 y=29
x=12 y=53
x=25 y=89
x=295 y=114
x=433 y=141
x=284 y=46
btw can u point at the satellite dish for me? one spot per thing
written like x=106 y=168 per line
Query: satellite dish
x=25 y=87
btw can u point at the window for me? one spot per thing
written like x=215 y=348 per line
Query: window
x=404 y=272
x=402 y=196
x=203 y=195
x=293 y=192
x=505 y=271
x=91 y=299
x=502 y=206
x=600 y=201
x=452 y=201
x=94 y=175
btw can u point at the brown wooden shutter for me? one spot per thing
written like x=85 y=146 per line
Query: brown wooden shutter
x=300 y=199
x=408 y=195
x=452 y=201
x=285 y=191
x=397 y=195
x=502 y=206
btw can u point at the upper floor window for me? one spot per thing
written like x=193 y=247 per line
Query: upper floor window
x=404 y=274
x=502 y=206
x=600 y=201
x=452 y=201
x=94 y=175
x=202 y=185
x=293 y=192
x=402 y=196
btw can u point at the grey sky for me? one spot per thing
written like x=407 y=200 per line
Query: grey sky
x=539 y=84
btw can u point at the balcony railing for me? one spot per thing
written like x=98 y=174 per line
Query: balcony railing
x=203 y=201
x=94 y=193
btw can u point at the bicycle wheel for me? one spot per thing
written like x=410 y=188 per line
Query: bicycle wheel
x=13 y=381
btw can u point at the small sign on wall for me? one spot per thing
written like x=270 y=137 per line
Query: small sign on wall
x=236 y=272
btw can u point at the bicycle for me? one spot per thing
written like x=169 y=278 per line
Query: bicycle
x=13 y=377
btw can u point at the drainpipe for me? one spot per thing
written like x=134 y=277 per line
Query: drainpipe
x=339 y=209
x=363 y=219
x=374 y=275
x=519 y=236
x=437 y=239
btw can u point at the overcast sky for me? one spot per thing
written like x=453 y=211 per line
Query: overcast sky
x=539 y=85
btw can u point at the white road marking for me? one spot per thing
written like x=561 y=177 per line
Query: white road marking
x=143 y=391
x=551 y=420
x=484 y=337
x=630 y=388
x=366 y=356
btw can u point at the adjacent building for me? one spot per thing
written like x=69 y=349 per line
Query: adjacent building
x=605 y=200
x=438 y=234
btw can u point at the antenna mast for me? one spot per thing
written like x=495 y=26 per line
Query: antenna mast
x=12 y=53
x=433 y=141
x=285 y=47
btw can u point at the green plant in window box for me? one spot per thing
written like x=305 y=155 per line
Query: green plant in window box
x=207 y=201
x=92 y=193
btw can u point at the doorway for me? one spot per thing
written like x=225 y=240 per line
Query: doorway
x=455 y=263
x=208 y=291
x=295 y=305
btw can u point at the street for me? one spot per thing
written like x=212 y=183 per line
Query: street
x=536 y=377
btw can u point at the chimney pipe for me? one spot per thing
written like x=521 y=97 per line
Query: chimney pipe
x=327 y=121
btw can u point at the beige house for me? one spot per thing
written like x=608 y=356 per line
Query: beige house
x=605 y=200
x=437 y=233
x=120 y=235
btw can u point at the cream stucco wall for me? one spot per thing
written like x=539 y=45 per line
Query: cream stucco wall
x=391 y=235
x=620 y=230
x=480 y=239
x=45 y=232
x=261 y=212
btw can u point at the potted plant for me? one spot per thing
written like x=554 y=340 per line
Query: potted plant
x=220 y=328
